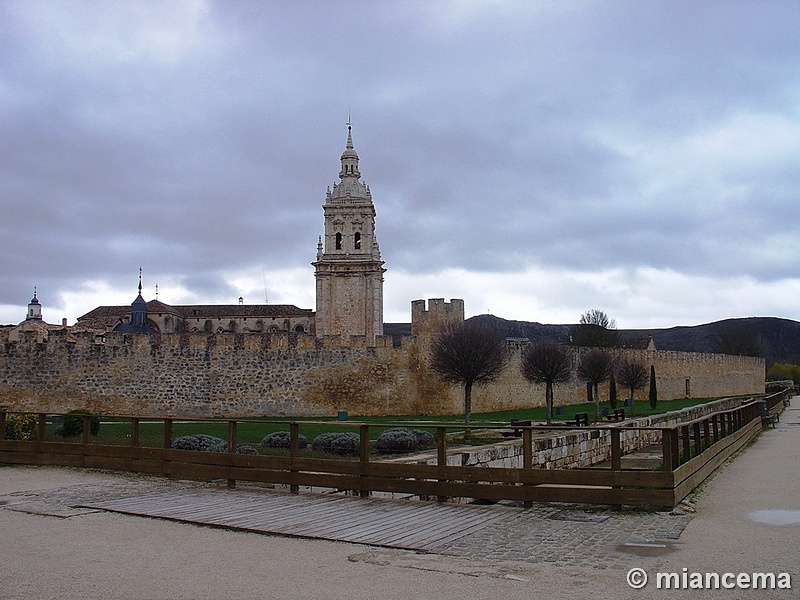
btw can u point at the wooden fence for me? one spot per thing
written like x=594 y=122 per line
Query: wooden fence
x=691 y=451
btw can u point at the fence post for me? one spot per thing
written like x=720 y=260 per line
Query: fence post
x=616 y=450
x=441 y=454
x=616 y=457
x=294 y=451
x=363 y=431
x=135 y=432
x=167 y=433
x=687 y=443
x=698 y=448
x=231 y=447
x=41 y=427
x=167 y=445
x=669 y=448
x=2 y=425
x=707 y=432
x=86 y=430
x=527 y=456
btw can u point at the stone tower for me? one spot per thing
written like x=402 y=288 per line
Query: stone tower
x=34 y=309
x=349 y=269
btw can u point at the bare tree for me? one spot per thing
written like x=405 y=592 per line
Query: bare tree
x=468 y=354
x=596 y=367
x=594 y=330
x=597 y=317
x=632 y=375
x=547 y=363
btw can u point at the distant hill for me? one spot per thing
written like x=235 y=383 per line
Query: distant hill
x=779 y=338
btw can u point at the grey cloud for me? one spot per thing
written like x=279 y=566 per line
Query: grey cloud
x=552 y=135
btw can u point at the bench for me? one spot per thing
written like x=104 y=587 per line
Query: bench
x=769 y=416
x=619 y=415
x=516 y=432
x=581 y=420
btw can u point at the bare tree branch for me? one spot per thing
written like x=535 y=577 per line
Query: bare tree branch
x=549 y=364
x=468 y=354
x=596 y=367
x=632 y=375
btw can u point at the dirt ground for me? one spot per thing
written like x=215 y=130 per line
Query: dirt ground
x=747 y=520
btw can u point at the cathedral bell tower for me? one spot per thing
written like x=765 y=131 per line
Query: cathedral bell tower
x=349 y=269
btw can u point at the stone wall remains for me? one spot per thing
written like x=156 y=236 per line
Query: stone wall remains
x=576 y=448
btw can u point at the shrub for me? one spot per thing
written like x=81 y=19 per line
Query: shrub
x=653 y=389
x=222 y=447
x=344 y=444
x=424 y=439
x=396 y=441
x=21 y=427
x=199 y=442
x=73 y=423
x=281 y=439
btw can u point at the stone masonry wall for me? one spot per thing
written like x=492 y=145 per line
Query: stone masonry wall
x=272 y=374
x=578 y=448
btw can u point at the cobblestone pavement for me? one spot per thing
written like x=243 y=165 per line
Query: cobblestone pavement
x=562 y=534
x=64 y=501
x=578 y=536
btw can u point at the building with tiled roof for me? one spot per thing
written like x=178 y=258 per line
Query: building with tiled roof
x=34 y=325
x=209 y=318
x=646 y=343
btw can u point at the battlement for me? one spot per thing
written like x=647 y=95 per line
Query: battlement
x=438 y=313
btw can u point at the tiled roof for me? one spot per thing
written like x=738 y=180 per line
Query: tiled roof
x=214 y=311
x=242 y=310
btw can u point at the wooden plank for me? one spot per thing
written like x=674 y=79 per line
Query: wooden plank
x=694 y=476
x=398 y=524
x=372 y=469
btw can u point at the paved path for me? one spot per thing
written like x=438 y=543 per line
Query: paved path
x=49 y=547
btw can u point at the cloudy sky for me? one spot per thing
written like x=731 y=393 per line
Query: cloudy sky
x=535 y=158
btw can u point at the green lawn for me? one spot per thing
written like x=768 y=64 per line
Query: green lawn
x=117 y=432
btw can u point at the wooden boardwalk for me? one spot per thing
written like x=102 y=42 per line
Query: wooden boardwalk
x=406 y=524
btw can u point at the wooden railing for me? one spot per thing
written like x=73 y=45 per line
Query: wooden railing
x=691 y=452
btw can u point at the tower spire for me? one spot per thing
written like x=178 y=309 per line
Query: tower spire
x=349 y=156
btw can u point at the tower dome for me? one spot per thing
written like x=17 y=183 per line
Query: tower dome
x=34 y=309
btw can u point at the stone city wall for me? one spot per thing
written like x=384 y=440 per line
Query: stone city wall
x=678 y=375
x=276 y=374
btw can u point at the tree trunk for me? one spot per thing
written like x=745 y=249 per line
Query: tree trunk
x=549 y=402
x=632 y=402
x=596 y=402
x=467 y=412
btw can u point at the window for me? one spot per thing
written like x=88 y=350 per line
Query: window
x=357 y=241
x=338 y=241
